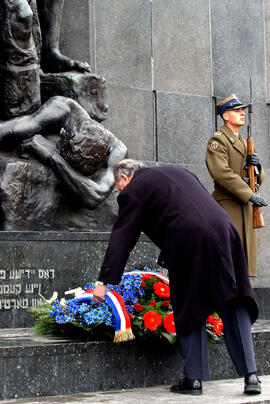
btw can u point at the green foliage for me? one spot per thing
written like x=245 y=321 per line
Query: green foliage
x=44 y=324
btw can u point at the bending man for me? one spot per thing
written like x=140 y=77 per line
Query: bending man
x=203 y=253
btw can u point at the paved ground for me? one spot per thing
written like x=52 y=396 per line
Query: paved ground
x=224 y=391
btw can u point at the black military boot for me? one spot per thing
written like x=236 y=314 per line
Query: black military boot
x=187 y=386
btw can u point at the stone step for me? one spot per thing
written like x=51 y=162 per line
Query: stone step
x=32 y=365
x=217 y=392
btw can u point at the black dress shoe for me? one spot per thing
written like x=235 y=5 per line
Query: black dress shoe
x=252 y=384
x=187 y=386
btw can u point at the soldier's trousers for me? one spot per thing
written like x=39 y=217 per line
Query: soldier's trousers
x=238 y=339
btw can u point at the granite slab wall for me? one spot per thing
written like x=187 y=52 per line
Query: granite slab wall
x=178 y=142
x=182 y=46
x=238 y=47
x=131 y=118
x=123 y=42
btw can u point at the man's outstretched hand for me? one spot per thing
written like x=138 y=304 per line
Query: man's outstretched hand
x=99 y=293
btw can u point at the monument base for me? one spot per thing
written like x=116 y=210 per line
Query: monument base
x=33 y=263
x=33 y=365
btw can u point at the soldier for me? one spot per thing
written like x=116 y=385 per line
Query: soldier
x=227 y=162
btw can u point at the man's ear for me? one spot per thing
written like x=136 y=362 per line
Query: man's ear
x=225 y=116
x=123 y=177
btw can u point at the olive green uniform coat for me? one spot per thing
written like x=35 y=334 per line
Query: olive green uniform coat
x=226 y=161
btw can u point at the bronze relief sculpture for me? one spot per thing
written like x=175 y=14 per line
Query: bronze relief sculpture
x=51 y=134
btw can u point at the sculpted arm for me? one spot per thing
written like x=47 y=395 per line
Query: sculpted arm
x=92 y=191
x=49 y=118
x=86 y=189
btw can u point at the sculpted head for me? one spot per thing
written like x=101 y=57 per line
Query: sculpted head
x=84 y=145
x=93 y=98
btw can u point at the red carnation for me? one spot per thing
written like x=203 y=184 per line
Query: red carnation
x=166 y=303
x=169 y=323
x=146 y=276
x=152 y=320
x=211 y=320
x=161 y=289
x=153 y=304
x=138 y=307
x=218 y=327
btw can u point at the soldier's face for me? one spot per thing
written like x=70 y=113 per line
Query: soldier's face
x=235 y=117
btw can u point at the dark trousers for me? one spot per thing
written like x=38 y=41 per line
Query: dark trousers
x=237 y=335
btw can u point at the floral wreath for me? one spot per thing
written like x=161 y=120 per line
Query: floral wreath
x=138 y=307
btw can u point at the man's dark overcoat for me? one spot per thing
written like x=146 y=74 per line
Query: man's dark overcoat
x=199 y=244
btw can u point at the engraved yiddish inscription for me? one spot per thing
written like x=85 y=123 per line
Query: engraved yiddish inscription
x=20 y=288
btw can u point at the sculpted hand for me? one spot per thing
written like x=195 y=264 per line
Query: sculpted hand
x=258 y=200
x=99 y=293
x=40 y=146
x=254 y=160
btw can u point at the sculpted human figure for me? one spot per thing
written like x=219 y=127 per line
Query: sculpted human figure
x=19 y=67
x=19 y=21
x=21 y=50
x=86 y=154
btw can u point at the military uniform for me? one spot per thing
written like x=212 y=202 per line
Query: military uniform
x=226 y=161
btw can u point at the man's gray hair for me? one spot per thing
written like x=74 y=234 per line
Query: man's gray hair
x=127 y=167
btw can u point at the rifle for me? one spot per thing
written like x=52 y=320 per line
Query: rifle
x=253 y=171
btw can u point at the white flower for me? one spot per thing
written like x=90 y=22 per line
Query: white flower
x=63 y=302
x=78 y=292
x=53 y=298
